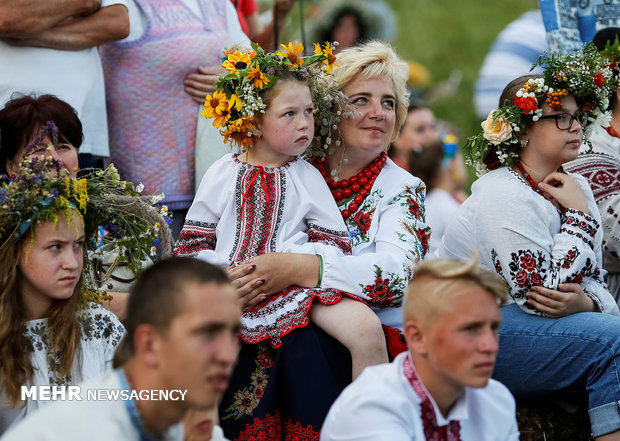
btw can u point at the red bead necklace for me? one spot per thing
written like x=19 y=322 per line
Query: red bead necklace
x=356 y=187
x=527 y=177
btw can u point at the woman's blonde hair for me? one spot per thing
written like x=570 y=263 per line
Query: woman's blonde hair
x=376 y=59
x=62 y=336
x=434 y=284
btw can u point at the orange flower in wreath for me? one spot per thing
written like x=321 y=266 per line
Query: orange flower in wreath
x=292 y=53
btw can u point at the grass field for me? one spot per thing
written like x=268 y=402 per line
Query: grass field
x=448 y=35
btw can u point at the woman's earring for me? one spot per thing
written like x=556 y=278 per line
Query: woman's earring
x=524 y=143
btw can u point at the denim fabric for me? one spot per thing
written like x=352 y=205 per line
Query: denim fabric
x=569 y=356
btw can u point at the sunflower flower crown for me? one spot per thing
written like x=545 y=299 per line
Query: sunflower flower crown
x=237 y=100
x=133 y=224
x=586 y=75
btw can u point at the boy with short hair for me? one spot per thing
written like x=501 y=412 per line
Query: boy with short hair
x=441 y=388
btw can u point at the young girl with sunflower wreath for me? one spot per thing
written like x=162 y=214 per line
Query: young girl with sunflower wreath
x=539 y=228
x=270 y=199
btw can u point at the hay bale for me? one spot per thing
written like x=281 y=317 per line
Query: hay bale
x=549 y=421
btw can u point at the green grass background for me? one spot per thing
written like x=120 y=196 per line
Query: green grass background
x=447 y=35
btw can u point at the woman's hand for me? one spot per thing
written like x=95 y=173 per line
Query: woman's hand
x=570 y=299
x=566 y=190
x=203 y=82
x=262 y=276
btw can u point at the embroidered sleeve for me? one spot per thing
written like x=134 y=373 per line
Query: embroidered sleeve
x=395 y=224
x=526 y=254
x=602 y=172
x=198 y=236
x=99 y=324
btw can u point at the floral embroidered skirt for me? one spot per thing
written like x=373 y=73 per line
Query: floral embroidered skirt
x=285 y=393
x=283 y=313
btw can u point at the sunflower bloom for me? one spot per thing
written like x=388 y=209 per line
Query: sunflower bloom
x=292 y=53
x=222 y=118
x=260 y=79
x=237 y=61
x=330 y=58
x=215 y=104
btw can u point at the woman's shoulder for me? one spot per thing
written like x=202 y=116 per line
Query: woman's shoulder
x=394 y=177
x=97 y=323
x=502 y=184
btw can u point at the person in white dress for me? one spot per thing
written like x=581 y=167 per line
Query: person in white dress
x=539 y=228
x=270 y=199
x=440 y=388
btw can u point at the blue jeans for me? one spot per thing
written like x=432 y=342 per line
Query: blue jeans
x=570 y=356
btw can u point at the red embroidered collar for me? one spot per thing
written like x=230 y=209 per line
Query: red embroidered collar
x=432 y=431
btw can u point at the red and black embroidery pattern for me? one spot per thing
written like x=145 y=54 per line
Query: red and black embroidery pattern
x=272 y=427
x=386 y=292
x=295 y=302
x=338 y=239
x=432 y=431
x=195 y=237
x=259 y=205
x=363 y=221
x=580 y=225
x=602 y=172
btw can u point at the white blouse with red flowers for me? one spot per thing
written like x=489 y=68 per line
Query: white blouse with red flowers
x=527 y=240
x=389 y=235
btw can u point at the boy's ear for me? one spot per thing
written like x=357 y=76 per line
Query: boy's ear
x=415 y=336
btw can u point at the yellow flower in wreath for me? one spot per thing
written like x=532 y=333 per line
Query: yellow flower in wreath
x=215 y=104
x=260 y=79
x=328 y=51
x=292 y=53
x=237 y=61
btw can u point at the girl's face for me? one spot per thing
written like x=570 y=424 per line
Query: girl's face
x=419 y=129
x=287 y=126
x=64 y=152
x=370 y=130
x=550 y=145
x=50 y=263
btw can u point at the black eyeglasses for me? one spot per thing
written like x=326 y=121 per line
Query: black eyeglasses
x=564 y=121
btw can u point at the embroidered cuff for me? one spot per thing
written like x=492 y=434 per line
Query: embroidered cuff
x=596 y=301
x=577 y=223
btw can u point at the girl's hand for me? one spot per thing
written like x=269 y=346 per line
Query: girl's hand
x=263 y=276
x=566 y=190
x=570 y=299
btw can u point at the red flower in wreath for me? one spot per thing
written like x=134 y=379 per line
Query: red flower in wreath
x=599 y=79
x=363 y=221
x=526 y=104
x=491 y=160
x=528 y=262
x=414 y=208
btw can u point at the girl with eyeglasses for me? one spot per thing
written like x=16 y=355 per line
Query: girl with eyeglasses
x=539 y=228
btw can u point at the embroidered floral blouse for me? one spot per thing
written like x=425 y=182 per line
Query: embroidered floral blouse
x=101 y=333
x=389 y=235
x=527 y=240
x=601 y=167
